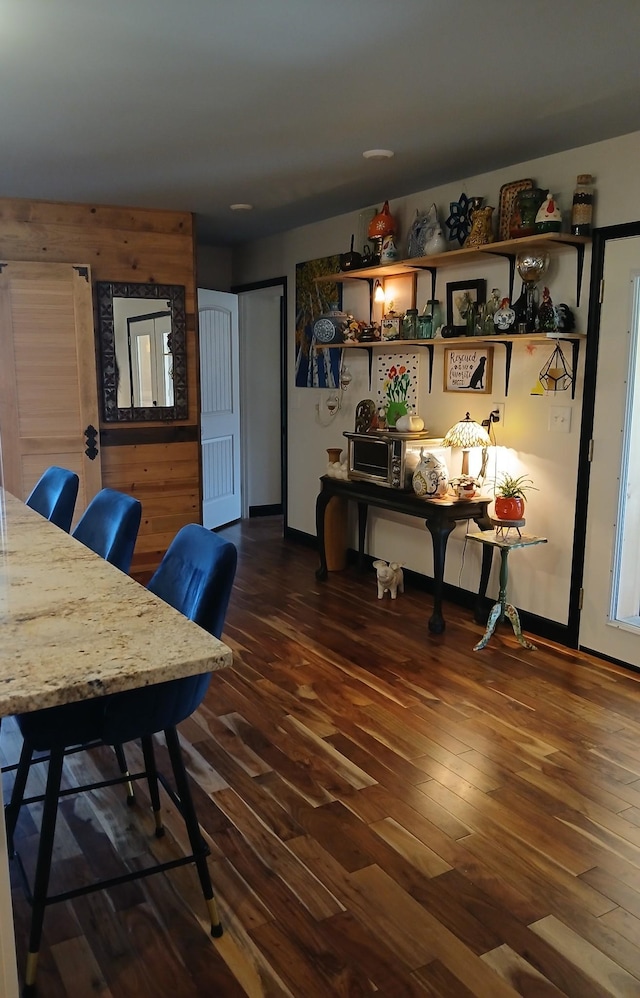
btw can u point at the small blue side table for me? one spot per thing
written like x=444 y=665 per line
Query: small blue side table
x=502 y=609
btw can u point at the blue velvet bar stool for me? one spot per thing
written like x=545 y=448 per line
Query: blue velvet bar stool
x=109 y=526
x=54 y=496
x=195 y=576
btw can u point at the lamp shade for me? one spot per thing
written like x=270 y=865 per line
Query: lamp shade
x=466 y=434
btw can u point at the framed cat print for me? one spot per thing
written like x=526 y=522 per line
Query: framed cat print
x=468 y=369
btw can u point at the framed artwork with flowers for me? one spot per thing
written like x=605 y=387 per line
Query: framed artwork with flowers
x=397 y=381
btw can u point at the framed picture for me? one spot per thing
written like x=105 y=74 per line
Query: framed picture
x=461 y=296
x=316 y=368
x=390 y=327
x=468 y=369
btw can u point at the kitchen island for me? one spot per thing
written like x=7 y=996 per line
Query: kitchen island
x=73 y=627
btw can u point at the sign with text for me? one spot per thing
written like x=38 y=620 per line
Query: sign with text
x=468 y=369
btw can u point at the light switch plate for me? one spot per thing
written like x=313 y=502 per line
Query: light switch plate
x=560 y=418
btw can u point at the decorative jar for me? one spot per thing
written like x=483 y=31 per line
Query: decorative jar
x=582 y=207
x=430 y=479
x=549 y=216
x=394 y=411
x=410 y=324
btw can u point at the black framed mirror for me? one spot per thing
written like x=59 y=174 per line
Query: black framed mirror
x=143 y=357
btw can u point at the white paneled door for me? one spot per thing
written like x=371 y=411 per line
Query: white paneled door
x=610 y=618
x=220 y=407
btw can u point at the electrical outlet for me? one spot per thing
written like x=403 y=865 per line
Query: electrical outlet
x=560 y=418
x=499 y=407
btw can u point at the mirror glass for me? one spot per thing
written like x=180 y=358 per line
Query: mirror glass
x=141 y=330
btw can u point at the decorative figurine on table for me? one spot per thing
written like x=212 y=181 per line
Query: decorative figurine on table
x=382 y=224
x=504 y=319
x=547 y=317
x=390 y=578
x=458 y=220
x=464 y=486
x=549 y=217
x=365 y=412
x=481 y=231
x=434 y=238
x=431 y=478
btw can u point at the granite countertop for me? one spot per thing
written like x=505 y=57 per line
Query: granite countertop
x=73 y=627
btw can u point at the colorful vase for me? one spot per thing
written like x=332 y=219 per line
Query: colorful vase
x=394 y=411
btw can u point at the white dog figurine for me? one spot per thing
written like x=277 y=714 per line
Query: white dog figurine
x=390 y=578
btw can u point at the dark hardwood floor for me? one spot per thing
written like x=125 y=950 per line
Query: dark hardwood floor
x=389 y=813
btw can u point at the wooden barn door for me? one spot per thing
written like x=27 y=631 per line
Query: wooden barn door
x=48 y=387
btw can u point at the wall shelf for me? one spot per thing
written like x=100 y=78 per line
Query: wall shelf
x=508 y=248
x=506 y=340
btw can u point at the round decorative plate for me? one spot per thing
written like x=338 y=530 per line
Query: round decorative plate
x=324 y=331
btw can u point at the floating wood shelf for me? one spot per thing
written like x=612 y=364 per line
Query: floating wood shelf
x=506 y=340
x=508 y=248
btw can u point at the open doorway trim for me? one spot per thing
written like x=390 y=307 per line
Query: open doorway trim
x=600 y=238
x=275 y=282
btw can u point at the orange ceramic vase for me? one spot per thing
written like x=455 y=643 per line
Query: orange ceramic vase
x=509 y=509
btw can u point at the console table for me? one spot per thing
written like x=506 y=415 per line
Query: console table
x=440 y=517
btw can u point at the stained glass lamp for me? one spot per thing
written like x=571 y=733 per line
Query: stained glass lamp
x=466 y=434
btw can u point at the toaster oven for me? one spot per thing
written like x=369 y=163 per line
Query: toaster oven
x=389 y=457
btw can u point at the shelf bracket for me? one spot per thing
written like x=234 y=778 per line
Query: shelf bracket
x=575 y=354
x=579 y=248
x=508 y=348
x=429 y=347
x=512 y=269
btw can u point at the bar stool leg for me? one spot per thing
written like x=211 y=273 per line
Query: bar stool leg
x=12 y=809
x=187 y=809
x=43 y=867
x=124 y=769
x=152 y=779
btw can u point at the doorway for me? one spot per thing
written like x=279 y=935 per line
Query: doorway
x=243 y=401
x=610 y=617
x=262 y=310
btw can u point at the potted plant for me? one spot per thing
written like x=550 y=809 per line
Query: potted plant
x=464 y=486
x=510 y=493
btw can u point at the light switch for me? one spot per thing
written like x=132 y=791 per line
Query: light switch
x=560 y=418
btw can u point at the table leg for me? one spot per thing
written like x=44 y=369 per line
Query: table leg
x=512 y=614
x=494 y=617
x=363 y=509
x=487 y=559
x=321 y=505
x=439 y=531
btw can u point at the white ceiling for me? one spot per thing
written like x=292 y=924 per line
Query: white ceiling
x=197 y=104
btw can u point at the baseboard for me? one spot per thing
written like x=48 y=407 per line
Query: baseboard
x=531 y=622
x=274 y=509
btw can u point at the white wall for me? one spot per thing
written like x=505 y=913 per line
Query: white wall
x=259 y=322
x=539 y=582
x=213 y=267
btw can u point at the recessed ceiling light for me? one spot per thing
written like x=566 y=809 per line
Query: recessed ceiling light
x=378 y=153
x=241 y=207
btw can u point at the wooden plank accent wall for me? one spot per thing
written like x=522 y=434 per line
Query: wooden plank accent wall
x=127 y=244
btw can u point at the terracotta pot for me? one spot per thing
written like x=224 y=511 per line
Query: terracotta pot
x=509 y=509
